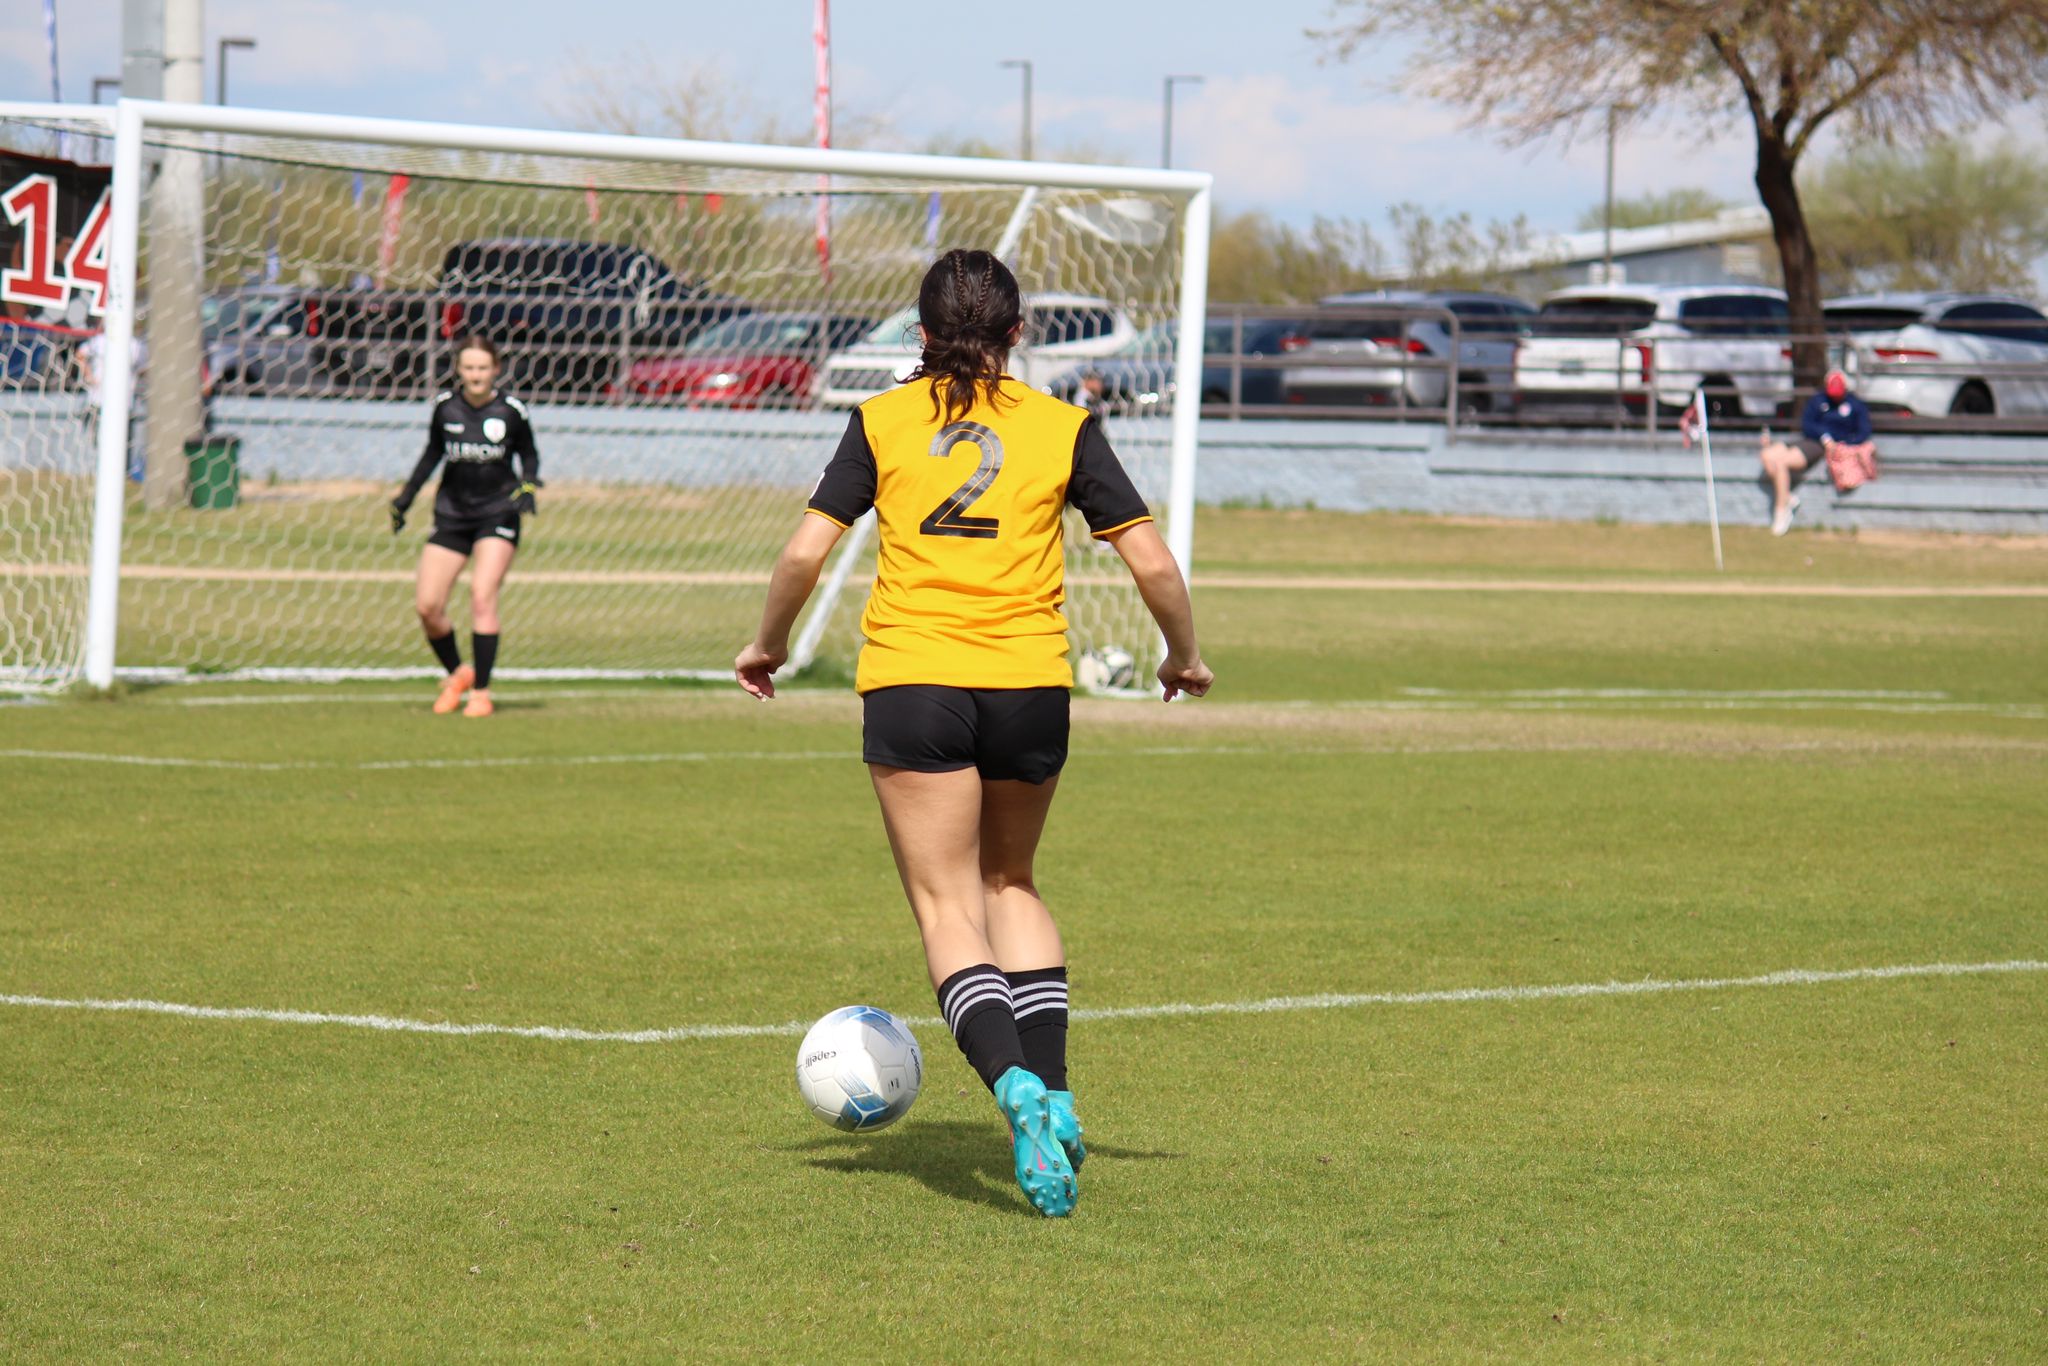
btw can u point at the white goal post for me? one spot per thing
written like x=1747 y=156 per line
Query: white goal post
x=198 y=439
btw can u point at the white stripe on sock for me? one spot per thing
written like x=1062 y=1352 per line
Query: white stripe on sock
x=970 y=992
x=959 y=1002
x=1036 y=1002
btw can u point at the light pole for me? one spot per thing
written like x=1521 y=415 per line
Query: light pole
x=1166 y=135
x=220 y=76
x=1025 y=65
x=100 y=83
x=1607 y=212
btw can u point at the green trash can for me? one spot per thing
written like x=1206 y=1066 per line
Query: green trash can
x=213 y=472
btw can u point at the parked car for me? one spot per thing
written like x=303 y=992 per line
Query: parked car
x=30 y=355
x=570 y=316
x=1596 y=349
x=752 y=361
x=1409 y=345
x=1060 y=329
x=1933 y=355
x=263 y=340
x=1139 y=379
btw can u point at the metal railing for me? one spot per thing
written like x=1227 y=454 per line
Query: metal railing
x=1434 y=368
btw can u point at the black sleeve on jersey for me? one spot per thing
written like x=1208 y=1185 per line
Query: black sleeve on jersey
x=428 y=459
x=846 y=490
x=1099 y=487
x=522 y=446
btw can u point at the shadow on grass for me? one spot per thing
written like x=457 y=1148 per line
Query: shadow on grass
x=951 y=1157
x=955 y=1158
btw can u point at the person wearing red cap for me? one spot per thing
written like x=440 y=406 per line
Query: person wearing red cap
x=1832 y=417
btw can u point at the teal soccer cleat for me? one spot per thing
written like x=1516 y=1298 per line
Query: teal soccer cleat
x=1043 y=1172
x=1066 y=1127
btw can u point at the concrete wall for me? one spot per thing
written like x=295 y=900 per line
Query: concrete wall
x=1983 y=484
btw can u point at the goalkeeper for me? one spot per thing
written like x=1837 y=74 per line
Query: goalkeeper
x=477 y=431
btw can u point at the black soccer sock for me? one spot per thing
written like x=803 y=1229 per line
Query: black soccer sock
x=976 y=1004
x=445 y=650
x=1039 y=1000
x=486 y=647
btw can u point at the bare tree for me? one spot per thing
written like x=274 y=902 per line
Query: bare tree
x=1453 y=252
x=1883 y=68
x=1652 y=210
x=688 y=100
x=1255 y=260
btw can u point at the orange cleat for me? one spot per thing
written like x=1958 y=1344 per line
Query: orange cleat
x=451 y=691
x=479 y=703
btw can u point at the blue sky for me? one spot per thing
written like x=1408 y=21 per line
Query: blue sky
x=1281 y=130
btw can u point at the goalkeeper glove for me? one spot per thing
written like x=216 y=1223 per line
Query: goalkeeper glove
x=397 y=516
x=522 y=501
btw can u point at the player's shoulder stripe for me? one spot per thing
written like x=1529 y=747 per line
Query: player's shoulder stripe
x=443 y=397
x=515 y=403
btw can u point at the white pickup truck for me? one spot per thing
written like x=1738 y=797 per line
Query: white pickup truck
x=1593 y=351
x=1059 y=330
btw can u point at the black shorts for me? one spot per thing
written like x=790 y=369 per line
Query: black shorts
x=1001 y=733
x=461 y=537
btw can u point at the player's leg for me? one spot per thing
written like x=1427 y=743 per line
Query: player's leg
x=1022 y=736
x=934 y=825
x=440 y=565
x=492 y=560
x=933 y=817
x=1026 y=941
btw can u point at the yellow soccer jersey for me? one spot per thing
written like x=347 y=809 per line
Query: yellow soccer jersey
x=971 y=576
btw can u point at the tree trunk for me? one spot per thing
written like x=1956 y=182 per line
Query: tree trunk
x=1780 y=194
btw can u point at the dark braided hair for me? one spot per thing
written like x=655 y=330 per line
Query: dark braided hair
x=969 y=308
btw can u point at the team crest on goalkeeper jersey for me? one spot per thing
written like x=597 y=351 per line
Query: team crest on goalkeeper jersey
x=494 y=429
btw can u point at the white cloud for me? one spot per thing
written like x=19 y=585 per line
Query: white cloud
x=327 y=44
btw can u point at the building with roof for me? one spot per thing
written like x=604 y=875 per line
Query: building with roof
x=1733 y=247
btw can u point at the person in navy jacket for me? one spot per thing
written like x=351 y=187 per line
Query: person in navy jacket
x=1832 y=417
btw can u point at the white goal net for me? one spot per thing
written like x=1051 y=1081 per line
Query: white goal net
x=686 y=322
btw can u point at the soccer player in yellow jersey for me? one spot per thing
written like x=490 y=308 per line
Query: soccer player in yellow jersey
x=964 y=680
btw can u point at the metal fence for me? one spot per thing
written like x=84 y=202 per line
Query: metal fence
x=1404 y=363
x=1397 y=362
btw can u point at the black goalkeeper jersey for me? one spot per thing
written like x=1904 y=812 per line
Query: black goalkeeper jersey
x=478 y=445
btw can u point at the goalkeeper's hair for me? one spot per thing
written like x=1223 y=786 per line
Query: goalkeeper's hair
x=969 y=308
x=474 y=341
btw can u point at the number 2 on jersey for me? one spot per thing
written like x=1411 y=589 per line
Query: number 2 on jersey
x=950 y=517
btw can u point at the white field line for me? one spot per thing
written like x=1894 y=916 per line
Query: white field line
x=314 y=698
x=399 y=765
x=851 y=754
x=1623 y=587
x=1269 y=1005
x=2025 y=711
x=1603 y=694
x=1381 y=583
x=1432 y=694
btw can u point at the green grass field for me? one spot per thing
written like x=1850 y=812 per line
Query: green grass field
x=1397 y=793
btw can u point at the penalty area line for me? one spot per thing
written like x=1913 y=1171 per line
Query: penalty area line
x=1265 y=1006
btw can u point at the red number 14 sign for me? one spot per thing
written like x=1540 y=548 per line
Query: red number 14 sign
x=31 y=205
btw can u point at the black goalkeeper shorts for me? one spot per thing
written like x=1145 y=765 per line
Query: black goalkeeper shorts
x=461 y=537
x=1001 y=733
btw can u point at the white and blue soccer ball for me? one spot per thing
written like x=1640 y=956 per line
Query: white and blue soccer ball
x=1106 y=668
x=859 y=1069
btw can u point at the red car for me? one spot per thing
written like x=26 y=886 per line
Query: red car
x=757 y=360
